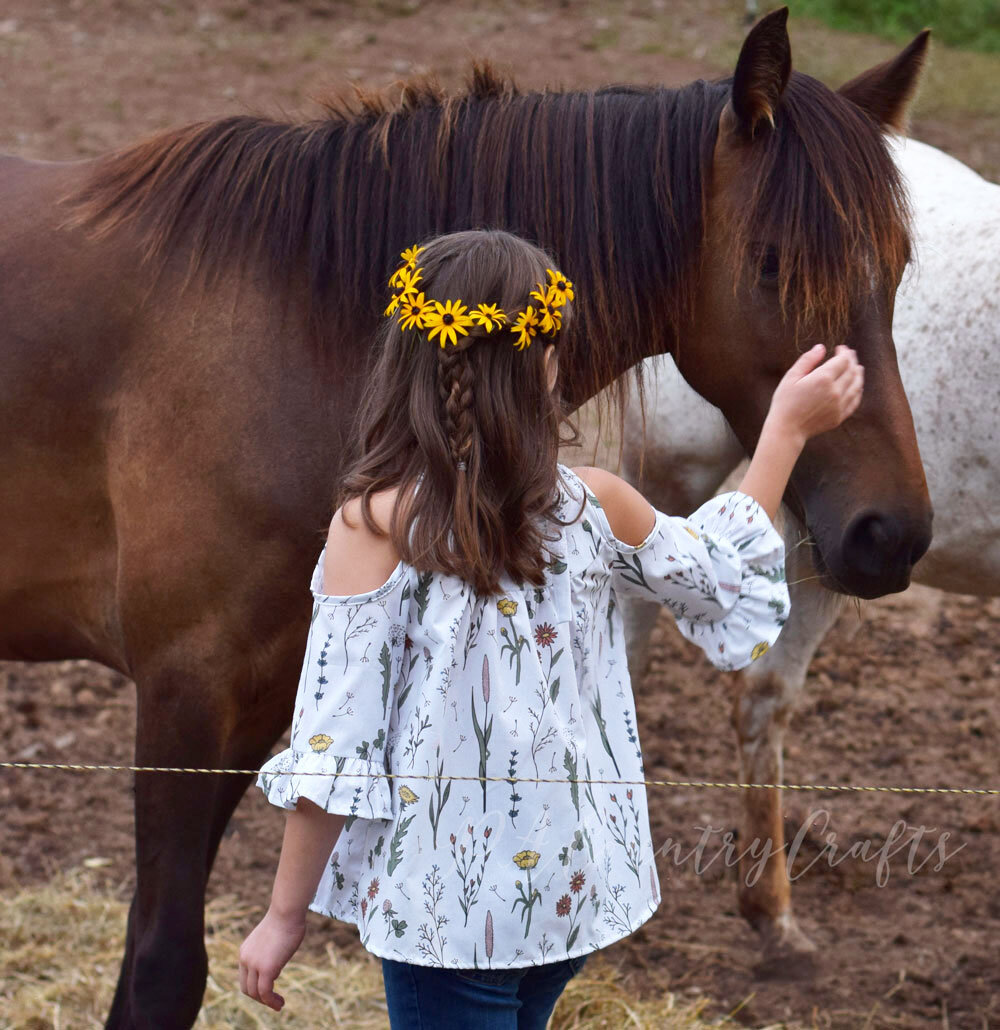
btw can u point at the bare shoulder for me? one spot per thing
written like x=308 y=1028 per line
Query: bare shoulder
x=629 y=514
x=357 y=559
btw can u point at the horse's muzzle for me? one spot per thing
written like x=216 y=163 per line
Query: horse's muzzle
x=876 y=554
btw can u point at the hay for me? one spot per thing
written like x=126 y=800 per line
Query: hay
x=62 y=944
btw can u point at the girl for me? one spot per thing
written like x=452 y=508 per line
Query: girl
x=464 y=717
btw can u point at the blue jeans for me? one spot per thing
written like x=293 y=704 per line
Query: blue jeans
x=431 y=998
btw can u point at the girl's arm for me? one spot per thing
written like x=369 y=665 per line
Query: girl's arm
x=310 y=836
x=356 y=560
x=809 y=400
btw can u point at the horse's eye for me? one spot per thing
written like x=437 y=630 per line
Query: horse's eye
x=769 y=267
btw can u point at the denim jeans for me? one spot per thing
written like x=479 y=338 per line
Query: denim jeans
x=431 y=998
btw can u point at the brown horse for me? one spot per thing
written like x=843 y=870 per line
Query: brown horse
x=184 y=326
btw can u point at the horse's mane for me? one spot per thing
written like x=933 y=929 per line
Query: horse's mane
x=611 y=182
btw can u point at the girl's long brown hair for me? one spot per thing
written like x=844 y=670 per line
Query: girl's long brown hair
x=483 y=402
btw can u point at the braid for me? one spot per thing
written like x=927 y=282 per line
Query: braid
x=455 y=383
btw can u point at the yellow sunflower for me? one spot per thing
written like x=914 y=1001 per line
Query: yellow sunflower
x=506 y=606
x=447 y=319
x=526 y=327
x=761 y=649
x=549 y=318
x=405 y=279
x=410 y=255
x=407 y=796
x=320 y=742
x=489 y=315
x=560 y=288
x=413 y=308
x=526 y=859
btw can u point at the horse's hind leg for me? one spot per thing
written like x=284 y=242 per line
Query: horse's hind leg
x=189 y=714
x=761 y=708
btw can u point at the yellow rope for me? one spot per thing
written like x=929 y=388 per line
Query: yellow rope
x=848 y=788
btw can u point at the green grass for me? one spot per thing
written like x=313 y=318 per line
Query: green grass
x=968 y=24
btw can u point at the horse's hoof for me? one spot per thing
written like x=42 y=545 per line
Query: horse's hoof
x=787 y=954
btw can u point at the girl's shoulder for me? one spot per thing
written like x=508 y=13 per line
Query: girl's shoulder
x=624 y=516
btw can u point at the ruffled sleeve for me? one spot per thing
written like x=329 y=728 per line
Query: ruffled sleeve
x=353 y=656
x=721 y=572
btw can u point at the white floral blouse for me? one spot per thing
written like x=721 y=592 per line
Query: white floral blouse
x=426 y=680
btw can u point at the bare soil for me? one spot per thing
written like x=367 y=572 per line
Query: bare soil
x=907 y=691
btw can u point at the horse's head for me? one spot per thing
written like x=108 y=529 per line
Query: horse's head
x=805 y=240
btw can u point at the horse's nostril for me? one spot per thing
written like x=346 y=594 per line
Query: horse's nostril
x=870 y=544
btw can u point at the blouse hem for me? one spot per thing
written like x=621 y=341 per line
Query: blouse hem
x=418 y=961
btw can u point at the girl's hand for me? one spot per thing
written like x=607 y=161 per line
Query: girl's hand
x=813 y=398
x=263 y=955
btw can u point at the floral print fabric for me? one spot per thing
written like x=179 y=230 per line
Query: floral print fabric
x=427 y=680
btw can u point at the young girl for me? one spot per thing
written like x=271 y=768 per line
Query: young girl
x=465 y=697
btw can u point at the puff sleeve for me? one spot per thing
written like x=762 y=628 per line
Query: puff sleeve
x=721 y=573
x=353 y=656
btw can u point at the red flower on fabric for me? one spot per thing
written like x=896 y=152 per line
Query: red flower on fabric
x=373 y=888
x=563 y=905
x=545 y=634
x=576 y=882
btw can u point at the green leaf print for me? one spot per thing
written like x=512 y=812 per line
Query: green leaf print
x=396 y=844
x=557 y=567
x=384 y=661
x=423 y=594
x=403 y=596
x=595 y=707
x=483 y=732
x=569 y=763
x=631 y=570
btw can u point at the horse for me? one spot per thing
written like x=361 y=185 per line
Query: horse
x=946 y=326
x=185 y=324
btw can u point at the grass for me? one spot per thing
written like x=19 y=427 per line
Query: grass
x=62 y=945
x=968 y=24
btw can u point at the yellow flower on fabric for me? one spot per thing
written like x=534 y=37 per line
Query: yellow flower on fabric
x=761 y=649
x=526 y=859
x=525 y=326
x=507 y=606
x=691 y=532
x=407 y=796
x=412 y=309
x=447 y=319
x=490 y=316
x=560 y=289
x=320 y=742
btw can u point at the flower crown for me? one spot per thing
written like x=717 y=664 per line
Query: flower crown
x=452 y=319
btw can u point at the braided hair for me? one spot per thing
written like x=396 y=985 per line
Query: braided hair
x=473 y=422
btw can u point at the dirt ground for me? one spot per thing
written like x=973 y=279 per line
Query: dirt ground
x=907 y=692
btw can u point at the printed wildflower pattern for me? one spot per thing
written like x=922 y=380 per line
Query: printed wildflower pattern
x=425 y=680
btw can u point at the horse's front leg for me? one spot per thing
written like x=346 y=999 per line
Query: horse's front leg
x=765 y=693
x=190 y=714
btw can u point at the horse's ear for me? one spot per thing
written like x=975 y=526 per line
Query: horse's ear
x=886 y=90
x=762 y=73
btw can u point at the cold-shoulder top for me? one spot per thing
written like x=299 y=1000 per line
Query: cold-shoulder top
x=489 y=843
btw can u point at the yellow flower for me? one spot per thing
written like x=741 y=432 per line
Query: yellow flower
x=489 y=315
x=413 y=308
x=560 y=289
x=448 y=319
x=409 y=256
x=394 y=303
x=526 y=859
x=320 y=742
x=761 y=649
x=550 y=318
x=405 y=279
x=507 y=606
x=407 y=796
x=691 y=532
x=526 y=326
